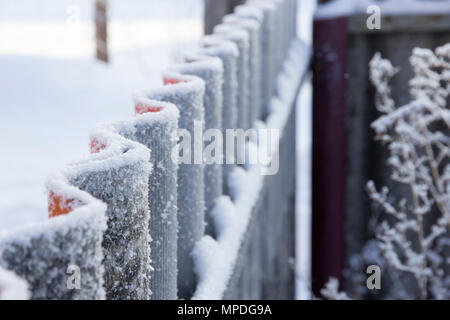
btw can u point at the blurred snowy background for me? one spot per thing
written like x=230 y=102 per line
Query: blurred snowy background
x=53 y=91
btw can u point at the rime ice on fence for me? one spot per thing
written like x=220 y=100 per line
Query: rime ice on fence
x=289 y=25
x=155 y=128
x=269 y=40
x=279 y=29
x=210 y=70
x=12 y=287
x=234 y=79
x=228 y=52
x=292 y=19
x=242 y=40
x=249 y=11
x=288 y=13
x=228 y=267
x=279 y=50
x=187 y=92
x=254 y=29
x=118 y=174
x=42 y=253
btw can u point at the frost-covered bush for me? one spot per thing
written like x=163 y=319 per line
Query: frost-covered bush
x=331 y=290
x=415 y=238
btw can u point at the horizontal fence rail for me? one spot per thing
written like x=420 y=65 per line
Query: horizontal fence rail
x=145 y=217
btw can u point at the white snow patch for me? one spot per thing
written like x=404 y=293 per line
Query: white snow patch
x=12 y=287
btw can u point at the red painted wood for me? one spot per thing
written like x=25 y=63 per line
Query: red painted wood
x=329 y=150
x=96 y=146
x=141 y=108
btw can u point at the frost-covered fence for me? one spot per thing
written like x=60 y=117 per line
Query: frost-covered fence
x=42 y=253
x=142 y=219
x=253 y=254
x=187 y=93
x=249 y=251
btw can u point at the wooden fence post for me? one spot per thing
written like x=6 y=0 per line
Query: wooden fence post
x=215 y=10
x=101 y=30
x=187 y=93
x=154 y=127
x=329 y=150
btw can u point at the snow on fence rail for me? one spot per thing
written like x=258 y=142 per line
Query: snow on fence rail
x=132 y=223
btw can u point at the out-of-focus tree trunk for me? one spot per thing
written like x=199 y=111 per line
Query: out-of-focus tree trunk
x=215 y=10
x=101 y=30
